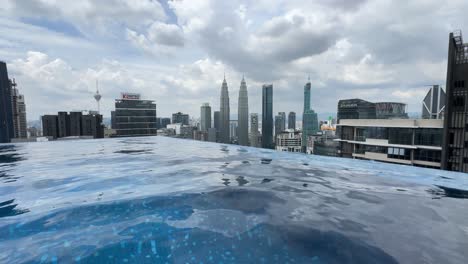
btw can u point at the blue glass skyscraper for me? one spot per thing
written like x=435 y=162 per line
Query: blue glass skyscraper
x=267 y=116
x=309 y=117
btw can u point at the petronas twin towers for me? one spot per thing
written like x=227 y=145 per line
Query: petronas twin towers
x=243 y=114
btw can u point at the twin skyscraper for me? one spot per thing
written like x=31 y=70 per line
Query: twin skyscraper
x=243 y=114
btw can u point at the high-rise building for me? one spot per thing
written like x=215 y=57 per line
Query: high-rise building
x=243 y=115
x=356 y=109
x=75 y=124
x=224 y=114
x=414 y=142
x=433 y=105
x=180 y=118
x=233 y=130
x=289 y=140
x=455 y=145
x=390 y=110
x=134 y=116
x=254 y=133
x=6 y=109
x=283 y=125
x=165 y=121
x=309 y=117
x=292 y=120
x=205 y=117
x=63 y=125
x=19 y=113
x=217 y=123
x=279 y=122
x=267 y=116
x=50 y=126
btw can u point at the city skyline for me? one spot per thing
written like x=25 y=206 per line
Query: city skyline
x=351 y=62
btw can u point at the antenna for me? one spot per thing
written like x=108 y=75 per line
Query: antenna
x=98 y=97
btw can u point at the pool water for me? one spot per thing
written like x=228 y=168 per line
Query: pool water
x=165 y=200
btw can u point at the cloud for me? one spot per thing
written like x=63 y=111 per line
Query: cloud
x=160 y=39
x=90 y=16
x=377 y=50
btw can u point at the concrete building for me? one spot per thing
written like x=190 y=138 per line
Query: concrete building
x=279 y=124
x=455 y=145
x=134 y=116
x=283 y=116
x=390 y=110
x=233 y=131
x=75 y=123
x=323 y=144
x=165 y=121
x=212 y=134
x=50 y=126
x=205 y=117
x=254 y=134
x=6 y=110
x=289 y=140
x=224 y=128
x=292 y=120
x=217 y=123
x=63 y=123
x=59 y=126
x=404 y=141
x=356 y=109
x=19 y=113
x=309 y=117
x=433 y=105
x=267 y=116
x=180 y=118
x=243 y=115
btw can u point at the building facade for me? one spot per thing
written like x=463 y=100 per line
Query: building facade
x=309 y=117
x=390 y=110
x=224 y=113
x=243 y=115
x=254 y=134
x=180 y=118
x=205 y=117
x=279 y=124
x=415 y=142
x=289 y=140
x=19 y=113
x=59 y=126
x=356 y=109
x=267 y=116
x=6 y=110
x=233 y=131
x=455 y=146
x=134 y=116
x=433 y=105
x=292 y=120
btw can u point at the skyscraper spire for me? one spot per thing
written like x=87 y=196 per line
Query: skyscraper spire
x=243 y=115
x=224 y=113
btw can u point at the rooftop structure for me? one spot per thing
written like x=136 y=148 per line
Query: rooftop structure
x=415 y=142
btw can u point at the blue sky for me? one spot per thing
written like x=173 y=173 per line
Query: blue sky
x=176 y=52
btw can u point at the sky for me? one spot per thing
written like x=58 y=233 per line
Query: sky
x=176 y=52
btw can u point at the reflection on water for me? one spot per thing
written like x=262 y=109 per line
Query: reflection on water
x=158 y=200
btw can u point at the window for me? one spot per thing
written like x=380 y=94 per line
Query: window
x=458 y=101
x=399 y=153
x=427 y=155
x=428 y=137
x=459 y=84
x=451 y=138
x=401 y=136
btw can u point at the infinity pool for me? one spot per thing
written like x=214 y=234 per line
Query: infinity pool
x=163 y=200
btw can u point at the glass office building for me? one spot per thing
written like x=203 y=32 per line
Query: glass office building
x=267 y=116
x=6 y=110
x=134 y=117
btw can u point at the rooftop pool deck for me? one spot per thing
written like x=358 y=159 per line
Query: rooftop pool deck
x=165 y=200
